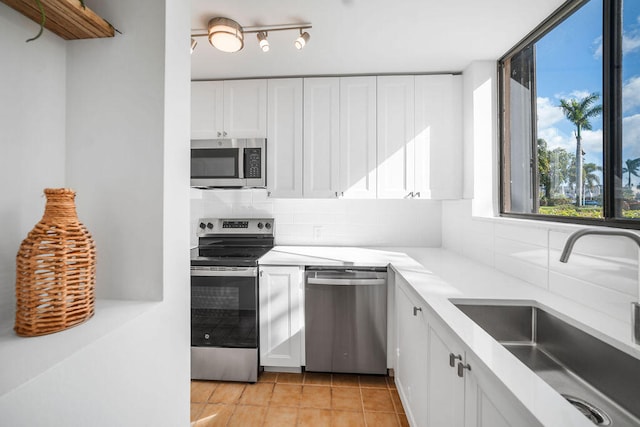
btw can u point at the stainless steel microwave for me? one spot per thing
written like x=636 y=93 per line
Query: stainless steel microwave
x=228 y=163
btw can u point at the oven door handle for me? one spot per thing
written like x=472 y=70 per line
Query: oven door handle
x=221 y=272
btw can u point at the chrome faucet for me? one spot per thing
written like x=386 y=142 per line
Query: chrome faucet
x=635 y=306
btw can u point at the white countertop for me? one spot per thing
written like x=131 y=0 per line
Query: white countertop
x=438 y=275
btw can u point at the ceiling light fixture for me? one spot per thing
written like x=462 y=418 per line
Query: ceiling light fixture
x=302 y=40
x=228 y=36
x=225 y=34
x=262 y=41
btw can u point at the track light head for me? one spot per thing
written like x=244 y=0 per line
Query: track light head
x=262 y=40
x=225 y=34
x=302 y=40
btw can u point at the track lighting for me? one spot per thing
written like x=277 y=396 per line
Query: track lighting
x=302 y=40
x=228 y=36
x=262 y=41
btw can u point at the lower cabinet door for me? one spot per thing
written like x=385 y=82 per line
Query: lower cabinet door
x=445 y=394
x=281 y=314
x=411 y=356
x=488 y=403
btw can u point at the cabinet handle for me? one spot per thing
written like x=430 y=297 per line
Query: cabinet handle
x=224 y=134
x=416 y=310
x=453 y=358
x=417 y=194
x=462 y=367
x=261 y=273
x=219 y=134
x=409 y=196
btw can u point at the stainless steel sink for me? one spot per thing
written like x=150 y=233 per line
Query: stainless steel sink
x=597 y=379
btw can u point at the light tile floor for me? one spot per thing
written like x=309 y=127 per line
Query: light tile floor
x=307 y=399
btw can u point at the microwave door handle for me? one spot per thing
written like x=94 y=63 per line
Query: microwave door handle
x=241 y=147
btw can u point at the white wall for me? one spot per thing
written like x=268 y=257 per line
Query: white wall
x=602 y=272
x=339 y=222
x=118 y=120
x=32 y=138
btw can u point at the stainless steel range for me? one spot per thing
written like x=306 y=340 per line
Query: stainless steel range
x=224 y=297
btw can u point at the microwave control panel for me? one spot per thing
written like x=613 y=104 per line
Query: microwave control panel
x=252 y=162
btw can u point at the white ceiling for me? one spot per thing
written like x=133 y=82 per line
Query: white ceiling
x=365 y=36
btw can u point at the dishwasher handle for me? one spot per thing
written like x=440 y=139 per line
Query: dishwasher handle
x=345 y=282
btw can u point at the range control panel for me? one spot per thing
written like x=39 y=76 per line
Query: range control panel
x=208 y=226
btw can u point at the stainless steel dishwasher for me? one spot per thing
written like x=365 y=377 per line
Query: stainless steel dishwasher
x=346 y=320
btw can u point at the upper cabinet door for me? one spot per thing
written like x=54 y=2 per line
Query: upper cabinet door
x=321 y=137
x=358 y=137
x=438 y=137
x=284 y=138
x=395 y=136
x=206 y=110
x=245 y=109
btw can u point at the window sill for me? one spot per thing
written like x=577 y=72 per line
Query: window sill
x=30 y=357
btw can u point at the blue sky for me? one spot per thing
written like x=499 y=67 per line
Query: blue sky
x=569 y=65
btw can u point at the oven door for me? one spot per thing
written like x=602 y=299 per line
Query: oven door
x=224 y=307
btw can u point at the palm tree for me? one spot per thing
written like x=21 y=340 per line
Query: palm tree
x=579 y=112
x=632 y=166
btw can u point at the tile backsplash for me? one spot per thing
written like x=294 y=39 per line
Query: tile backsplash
x=602 y=272
x=339 y=222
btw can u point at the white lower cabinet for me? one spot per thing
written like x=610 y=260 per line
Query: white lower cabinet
x=411 y=354
x=439 y=381
x=281 y=316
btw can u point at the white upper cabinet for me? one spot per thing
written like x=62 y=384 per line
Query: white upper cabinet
x=438 y=137
x=321 y=137
x=229 y=109
x=395 y=125
x=420 y=136
x=352 y=137
x=245 y=109
x=206 y=109
x=284 y=136
x=358 y=137
x=340 y=137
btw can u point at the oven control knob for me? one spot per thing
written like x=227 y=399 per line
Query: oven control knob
x=268 y=226
x=202 y=225
x=260 y=225
x=209 y=225
x=206 y=336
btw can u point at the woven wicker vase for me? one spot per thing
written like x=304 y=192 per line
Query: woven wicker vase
x=55 y=270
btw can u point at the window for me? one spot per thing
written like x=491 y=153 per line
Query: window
x=570 y=121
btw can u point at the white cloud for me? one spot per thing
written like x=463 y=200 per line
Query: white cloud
x=631 y=93
x=548 y=113
x=557 y=139
x=630 y=42
x=597 y=51
x=592 y=141
x=631 y=136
